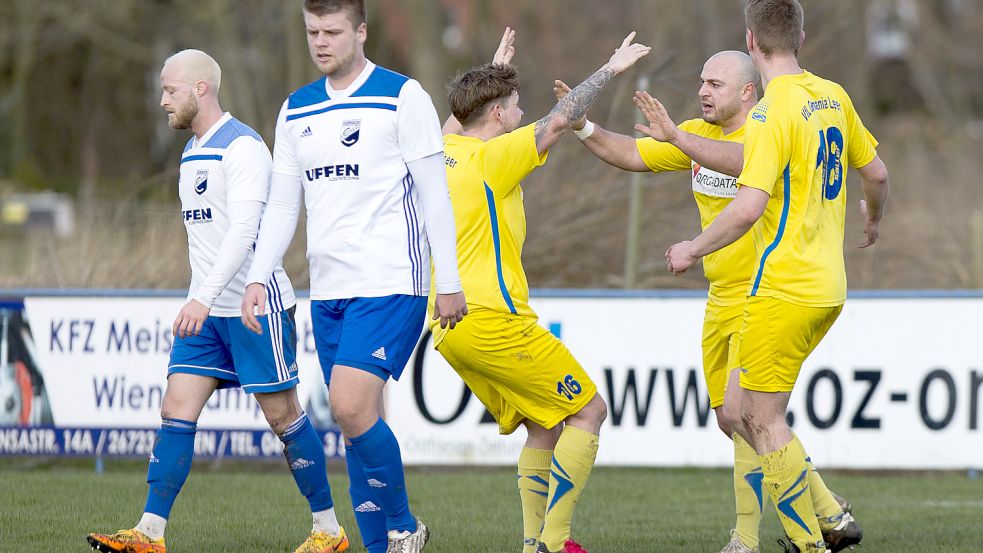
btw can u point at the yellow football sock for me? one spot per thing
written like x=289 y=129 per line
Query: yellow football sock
x=786 y=479
x=823 y=502
x=534 y=487
x=747 y=491
x=573 y=459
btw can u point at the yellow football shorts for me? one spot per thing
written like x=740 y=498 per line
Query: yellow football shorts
x=721 y=327
x=517 y=369
x=776 y=338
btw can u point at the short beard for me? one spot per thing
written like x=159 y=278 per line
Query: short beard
x=723 y=114
x=343 y=67
x=184 y=116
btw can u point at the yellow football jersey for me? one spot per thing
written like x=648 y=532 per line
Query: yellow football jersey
x=729 y=269
x=798 y=142
x=484 y=180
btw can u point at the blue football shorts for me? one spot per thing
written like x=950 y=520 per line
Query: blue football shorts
x=376 y=335
x=227 y=350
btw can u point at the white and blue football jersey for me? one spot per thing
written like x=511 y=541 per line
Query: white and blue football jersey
x=365 y=230
x=229 y=163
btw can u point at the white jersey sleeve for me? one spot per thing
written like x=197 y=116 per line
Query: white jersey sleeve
x=277 y=227
x=417 y=125
x=246 y=162
x=243 y=219
x=430 y=182
x=279 y=222
x=284 y=148
x=247 y=165
x=422 y=145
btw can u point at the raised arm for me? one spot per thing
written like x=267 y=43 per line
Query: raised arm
x=574 y=105
x=615 y=149
x=718 y=155
x=503 y=55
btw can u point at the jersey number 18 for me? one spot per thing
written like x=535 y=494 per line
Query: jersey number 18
x=830 y=158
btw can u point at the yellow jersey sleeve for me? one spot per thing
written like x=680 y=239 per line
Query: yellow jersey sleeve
x=767 y=146
x=863 y=145
x=508 y=158
x=662 y=156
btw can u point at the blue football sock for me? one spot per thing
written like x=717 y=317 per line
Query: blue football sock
x=369 y=516
x=305 y=457
x=170 y=463
x=378 y=452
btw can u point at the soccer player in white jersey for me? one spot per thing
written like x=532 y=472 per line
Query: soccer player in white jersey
x=363 y=144
x=223 y=184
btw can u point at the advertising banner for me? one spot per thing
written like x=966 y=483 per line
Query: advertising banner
x=86 y=376
x=897 y=383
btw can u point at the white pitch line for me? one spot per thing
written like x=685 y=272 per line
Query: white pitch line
x=954 y=504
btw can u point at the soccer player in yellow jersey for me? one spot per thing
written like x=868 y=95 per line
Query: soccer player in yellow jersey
x=523 y=374
x=727 y=94
x=798 y=141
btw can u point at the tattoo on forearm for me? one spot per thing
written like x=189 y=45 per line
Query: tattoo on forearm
x=575 y=104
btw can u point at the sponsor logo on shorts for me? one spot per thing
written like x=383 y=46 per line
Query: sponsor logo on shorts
x=379 y=354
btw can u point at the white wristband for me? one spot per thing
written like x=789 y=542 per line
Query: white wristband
x=584 y=133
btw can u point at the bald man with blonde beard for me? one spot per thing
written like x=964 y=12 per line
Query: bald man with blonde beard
x=728 y=92
x=224 y=184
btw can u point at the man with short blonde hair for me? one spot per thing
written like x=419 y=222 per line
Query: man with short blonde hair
x=728 y=93
x=799 y=140
x=223 y=184
x=776 y=26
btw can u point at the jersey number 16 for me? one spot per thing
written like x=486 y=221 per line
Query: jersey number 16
x=568 y=387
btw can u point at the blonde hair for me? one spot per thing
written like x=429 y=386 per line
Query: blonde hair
x=195 y=65
x=776 y=24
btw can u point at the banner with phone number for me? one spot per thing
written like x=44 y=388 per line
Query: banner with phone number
x=896 y=382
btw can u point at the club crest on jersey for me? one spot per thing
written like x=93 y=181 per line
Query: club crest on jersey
x=201 y=181
x=350 y=131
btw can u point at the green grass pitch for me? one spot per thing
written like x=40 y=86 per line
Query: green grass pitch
x=244 y=508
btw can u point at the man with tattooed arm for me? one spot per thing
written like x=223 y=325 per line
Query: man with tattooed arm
x=523 y=374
